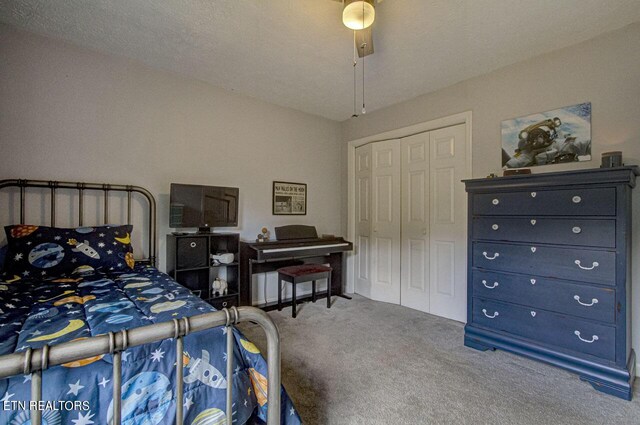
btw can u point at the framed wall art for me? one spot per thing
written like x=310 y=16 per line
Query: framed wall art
x=289 y=198
x=554 y=137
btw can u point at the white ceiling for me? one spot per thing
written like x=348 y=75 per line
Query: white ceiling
x=297 y=53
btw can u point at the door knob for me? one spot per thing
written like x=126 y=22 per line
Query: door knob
x=424 y=231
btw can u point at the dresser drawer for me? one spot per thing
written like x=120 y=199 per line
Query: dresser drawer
x=569 y=231
x=584 y=265
x=589 y=302
x=600 y=201
x=546 y=327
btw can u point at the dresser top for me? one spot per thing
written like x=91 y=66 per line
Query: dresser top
x=617 y=175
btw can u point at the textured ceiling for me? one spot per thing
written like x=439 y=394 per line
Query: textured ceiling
x=297 y=53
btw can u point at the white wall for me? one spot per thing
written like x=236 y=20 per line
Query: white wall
x=67 y=113
x=604 y=70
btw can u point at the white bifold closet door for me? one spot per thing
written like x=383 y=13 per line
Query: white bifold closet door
x=414 y=274
x=363 y=221
x=385 y=235
x=411 y=221
x=448 y=223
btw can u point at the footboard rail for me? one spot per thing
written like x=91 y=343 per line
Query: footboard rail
x=34 y=361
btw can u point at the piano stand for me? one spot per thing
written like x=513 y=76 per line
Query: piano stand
x=263 y=257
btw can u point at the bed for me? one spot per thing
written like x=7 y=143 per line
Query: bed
x=112 y=311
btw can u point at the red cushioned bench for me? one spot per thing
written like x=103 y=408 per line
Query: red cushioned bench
x=303 y=273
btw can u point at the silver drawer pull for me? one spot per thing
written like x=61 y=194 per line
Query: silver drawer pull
x=533 y=222
x=576 y=230
x=496 y=201
x=576 y=199
x=495 y=314
x=484 y=282
x=593 y=266
x=533 y=194
x=495 y=226
x=533 y=281
x=224 y=304
x=534 y=249
x=193 y=244
x=592 y=340
x=496 y=255
x=593 y=301
x=533 y=314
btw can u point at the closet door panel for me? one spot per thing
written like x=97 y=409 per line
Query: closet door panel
x=363 y=221
x=415 y=222
x=447 y=167
x=385 y=209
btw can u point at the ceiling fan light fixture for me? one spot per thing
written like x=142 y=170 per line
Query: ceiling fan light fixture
x=358 y=14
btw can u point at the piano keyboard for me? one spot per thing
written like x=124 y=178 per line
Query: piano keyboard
x=301 y=248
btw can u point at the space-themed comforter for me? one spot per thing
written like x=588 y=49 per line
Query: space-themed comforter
x=34 y=313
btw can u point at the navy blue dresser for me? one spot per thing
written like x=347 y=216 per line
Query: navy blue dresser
x=549 y=271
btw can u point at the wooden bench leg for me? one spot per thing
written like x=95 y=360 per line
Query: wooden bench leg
x=313 y=291
x=279 y=293
x=329 y=290
x=293 y=300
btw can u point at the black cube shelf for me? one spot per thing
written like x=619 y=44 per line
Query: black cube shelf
x=189 y=263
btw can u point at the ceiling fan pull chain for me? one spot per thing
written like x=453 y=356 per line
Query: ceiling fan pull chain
x=364 y=110
x=355 y=62
x=364 y=44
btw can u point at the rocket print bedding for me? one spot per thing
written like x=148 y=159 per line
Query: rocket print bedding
x=37 y=312
x=40 y=251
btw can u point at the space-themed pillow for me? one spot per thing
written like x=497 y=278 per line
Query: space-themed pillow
x=41 y=252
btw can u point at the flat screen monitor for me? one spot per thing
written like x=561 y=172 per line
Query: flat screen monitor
x=203 y=206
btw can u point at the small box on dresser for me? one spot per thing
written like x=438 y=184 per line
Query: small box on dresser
x=549 y=271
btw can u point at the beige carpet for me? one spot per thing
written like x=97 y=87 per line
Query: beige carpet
x=365 y=362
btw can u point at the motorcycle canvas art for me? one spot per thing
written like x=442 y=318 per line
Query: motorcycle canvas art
x=558 y=136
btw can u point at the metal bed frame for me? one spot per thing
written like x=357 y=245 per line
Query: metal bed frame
x=81 y=187
x=34 y=361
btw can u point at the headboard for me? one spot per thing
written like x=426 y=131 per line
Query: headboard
x=80 y=188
